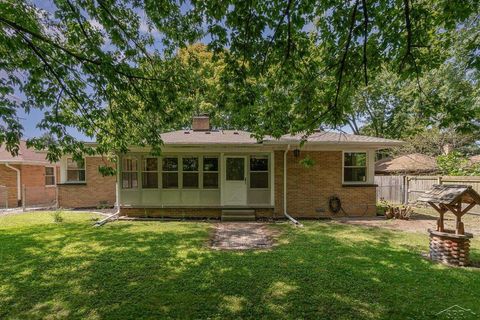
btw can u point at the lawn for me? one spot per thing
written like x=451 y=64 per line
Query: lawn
x=128 y=270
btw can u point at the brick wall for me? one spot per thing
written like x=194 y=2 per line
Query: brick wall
x=97 y=190
x=36 y=193
x=310 y=188
x=215 y=213
x=8 y=178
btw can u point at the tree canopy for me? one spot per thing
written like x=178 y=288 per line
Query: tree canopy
x=122 y=71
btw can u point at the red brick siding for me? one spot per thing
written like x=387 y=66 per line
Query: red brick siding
x=98 y=190
x=36 y=193
x=8 y=178
x=310 y=188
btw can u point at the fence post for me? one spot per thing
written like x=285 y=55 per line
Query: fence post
x=406 y=190
x=439 y=179
x=56 y=197
x=23 y=197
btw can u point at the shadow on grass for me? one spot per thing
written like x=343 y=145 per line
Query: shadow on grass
x=165 y=270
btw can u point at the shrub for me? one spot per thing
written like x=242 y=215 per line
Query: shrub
x=57 y=216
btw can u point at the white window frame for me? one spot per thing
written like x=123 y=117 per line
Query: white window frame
x=128 y=171
x=267 y=156
x=144 y=162
x=203 y=172
x=198 y=172
x=366 y=167
x=54 y=176
x=179 y=167
x=84 y=169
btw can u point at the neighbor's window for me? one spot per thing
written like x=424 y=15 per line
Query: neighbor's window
x=210 y=172
x=170 y=173
x=129 y=173
x=355 y=167
x=75 y=170
x=150 y=173
x=190 y=172
x=49 y=176
x=259 y=172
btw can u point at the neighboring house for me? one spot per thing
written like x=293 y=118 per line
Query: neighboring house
x=83 y=186
x=31 y=170
x=203 y=172
x=408 y=164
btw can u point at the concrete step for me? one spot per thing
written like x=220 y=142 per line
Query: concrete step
x=238 y=215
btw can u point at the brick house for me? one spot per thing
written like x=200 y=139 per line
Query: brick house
x=204 y=173
x=31 y=170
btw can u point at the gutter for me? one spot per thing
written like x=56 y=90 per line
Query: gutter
x=19 y=181
x=285 y=213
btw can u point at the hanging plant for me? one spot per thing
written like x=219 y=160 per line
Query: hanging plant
x=307 y=162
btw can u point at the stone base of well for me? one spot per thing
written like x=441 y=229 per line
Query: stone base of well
x=450 y=248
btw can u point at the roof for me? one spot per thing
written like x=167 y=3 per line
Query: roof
x=192 y=137
x=328 y=137
x=408 y=163
x=25 y=155
x=474 y=159
x=450 y=194
x=189 y=137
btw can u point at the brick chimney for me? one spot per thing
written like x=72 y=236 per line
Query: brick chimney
x=201 y=123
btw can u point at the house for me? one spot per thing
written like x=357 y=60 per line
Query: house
x=28 y=178
x=203 y=172
x=407 y=164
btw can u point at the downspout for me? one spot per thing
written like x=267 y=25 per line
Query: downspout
x=285 y=213
x=19 y=181
x=115 y=215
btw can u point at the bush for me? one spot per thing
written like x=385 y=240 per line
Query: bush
x=57 y=216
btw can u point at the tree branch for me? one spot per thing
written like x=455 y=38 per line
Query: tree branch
x=345 y=53
x=365 y=39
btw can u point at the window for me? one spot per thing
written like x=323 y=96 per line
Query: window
x=129 y=173
x=355 y=167
x=259 y=172
x=49 y=176
x=150 y=173
x=170 y=173
x=190 y=172
x=75 y=170
x=210 y=173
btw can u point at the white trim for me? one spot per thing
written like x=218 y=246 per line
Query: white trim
x=54 y=177
x=368 y=163
x=272 y=178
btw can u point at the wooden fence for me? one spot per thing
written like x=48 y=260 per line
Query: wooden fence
x=406 y=189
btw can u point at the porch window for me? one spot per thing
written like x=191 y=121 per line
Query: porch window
x=210 y=172
x=75 y=170
x=190 y=172
x=150 y=173
x=259 y=172
x=170 y=173
x=49 y=176
x=129 y=173
x=355 y=167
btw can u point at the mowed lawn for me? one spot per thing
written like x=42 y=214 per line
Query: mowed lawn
x=134 y=270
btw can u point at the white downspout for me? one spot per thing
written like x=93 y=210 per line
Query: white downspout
x=115 y=215
x=285 y=213
x=19 y=181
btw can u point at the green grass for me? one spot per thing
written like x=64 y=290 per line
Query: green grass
x=134 y=270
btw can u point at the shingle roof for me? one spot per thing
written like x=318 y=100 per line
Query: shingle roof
x=25 y=155
x=450 y=194
x=190 y=137
x=328 y=137
x=408 y=163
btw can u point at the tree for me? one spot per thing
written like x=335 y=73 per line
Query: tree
x=108 y=68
